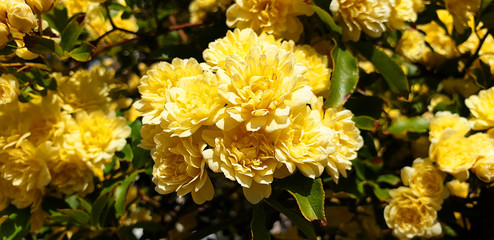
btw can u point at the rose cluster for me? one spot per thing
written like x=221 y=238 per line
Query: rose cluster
x=57 y=144
x=249 y=112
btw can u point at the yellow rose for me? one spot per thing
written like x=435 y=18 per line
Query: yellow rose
x=5 y=35
x=305 y=144
x=40 y=6
x=483 y=146
x=179 y=166
x=21 y=16
x=453 y=154
x=462 y=10
x=277 y=17
x=424 y=179
x=3 y=11
x=443 y=121
x=346 y=138
x=458 y=188
x=409 y=215
x=245 y=157
x=261 y=89
x=412 y=45
x=9 y=89
x=402 y=11
x=355 y=16
x=482 y=108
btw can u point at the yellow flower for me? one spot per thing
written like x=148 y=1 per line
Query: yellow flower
x=155 y=85
x=40 y=6
x=458 y=188
x=199 y=8
x=443 y=121
x=305 y=144
x=318 y=74
x=25 y=172
x=5 y=35
x=443 y=45
x=453 y=154
x=245 y=157
x=179 y=166
x=9 y=88
x=191 y=103
x=277 y=17
x=402 y=11
x=84 y=90
x=238 y=42
x=20 y=16
x=148 y=131
x=483 y=146
x=355 y=16
x=71 y=173
x=482 y=108
x=97 y=136
x=261 y=89
x=409 y=215
x=462 y=10
x=425 y=179
x=346 y=138
x=412 y=45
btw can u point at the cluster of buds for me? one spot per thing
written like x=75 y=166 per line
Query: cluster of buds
x=19 y=16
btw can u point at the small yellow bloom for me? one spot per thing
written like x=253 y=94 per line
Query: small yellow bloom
x=425 y=179
x=237 y=42
x=462 y=10
x=179 y=166
x=453 y=154
x=40 y=6
x=277 y=17
x=346 y=138
x=355 y=16
x=412 y=45
x=458 y=188
x=261 y=89
x=483 y=146
x=409 y=215
x=444 y=47
x=20 y=16
x=157 y=82
x=9 y=88
x=97 y=136
x=443 y=121
x=199 y=8
x=402 y=11
x=305 y=144
x=482 y=108
x=5 y=35
x=25 y=173
x=245 y=157
x=84 y=90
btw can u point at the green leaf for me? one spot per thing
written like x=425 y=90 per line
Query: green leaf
x=16 y=225
x=309 y=194
x=57 y=18
x=381 y=193
x=258 y=224
x=389 y=179
x=345 y=77
x=76 y=214
x=326 y=18
x=364 y=122
x=72 y=201
x=85 y=204
x=82 y=53
x=302 y=224
x=413 y=124
x=9 y=48
x=387 y=67
x=121 y=193
x=71 y=32
x=102 y=202
x=126 y=153
x=141 y=156
x=41 y=45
